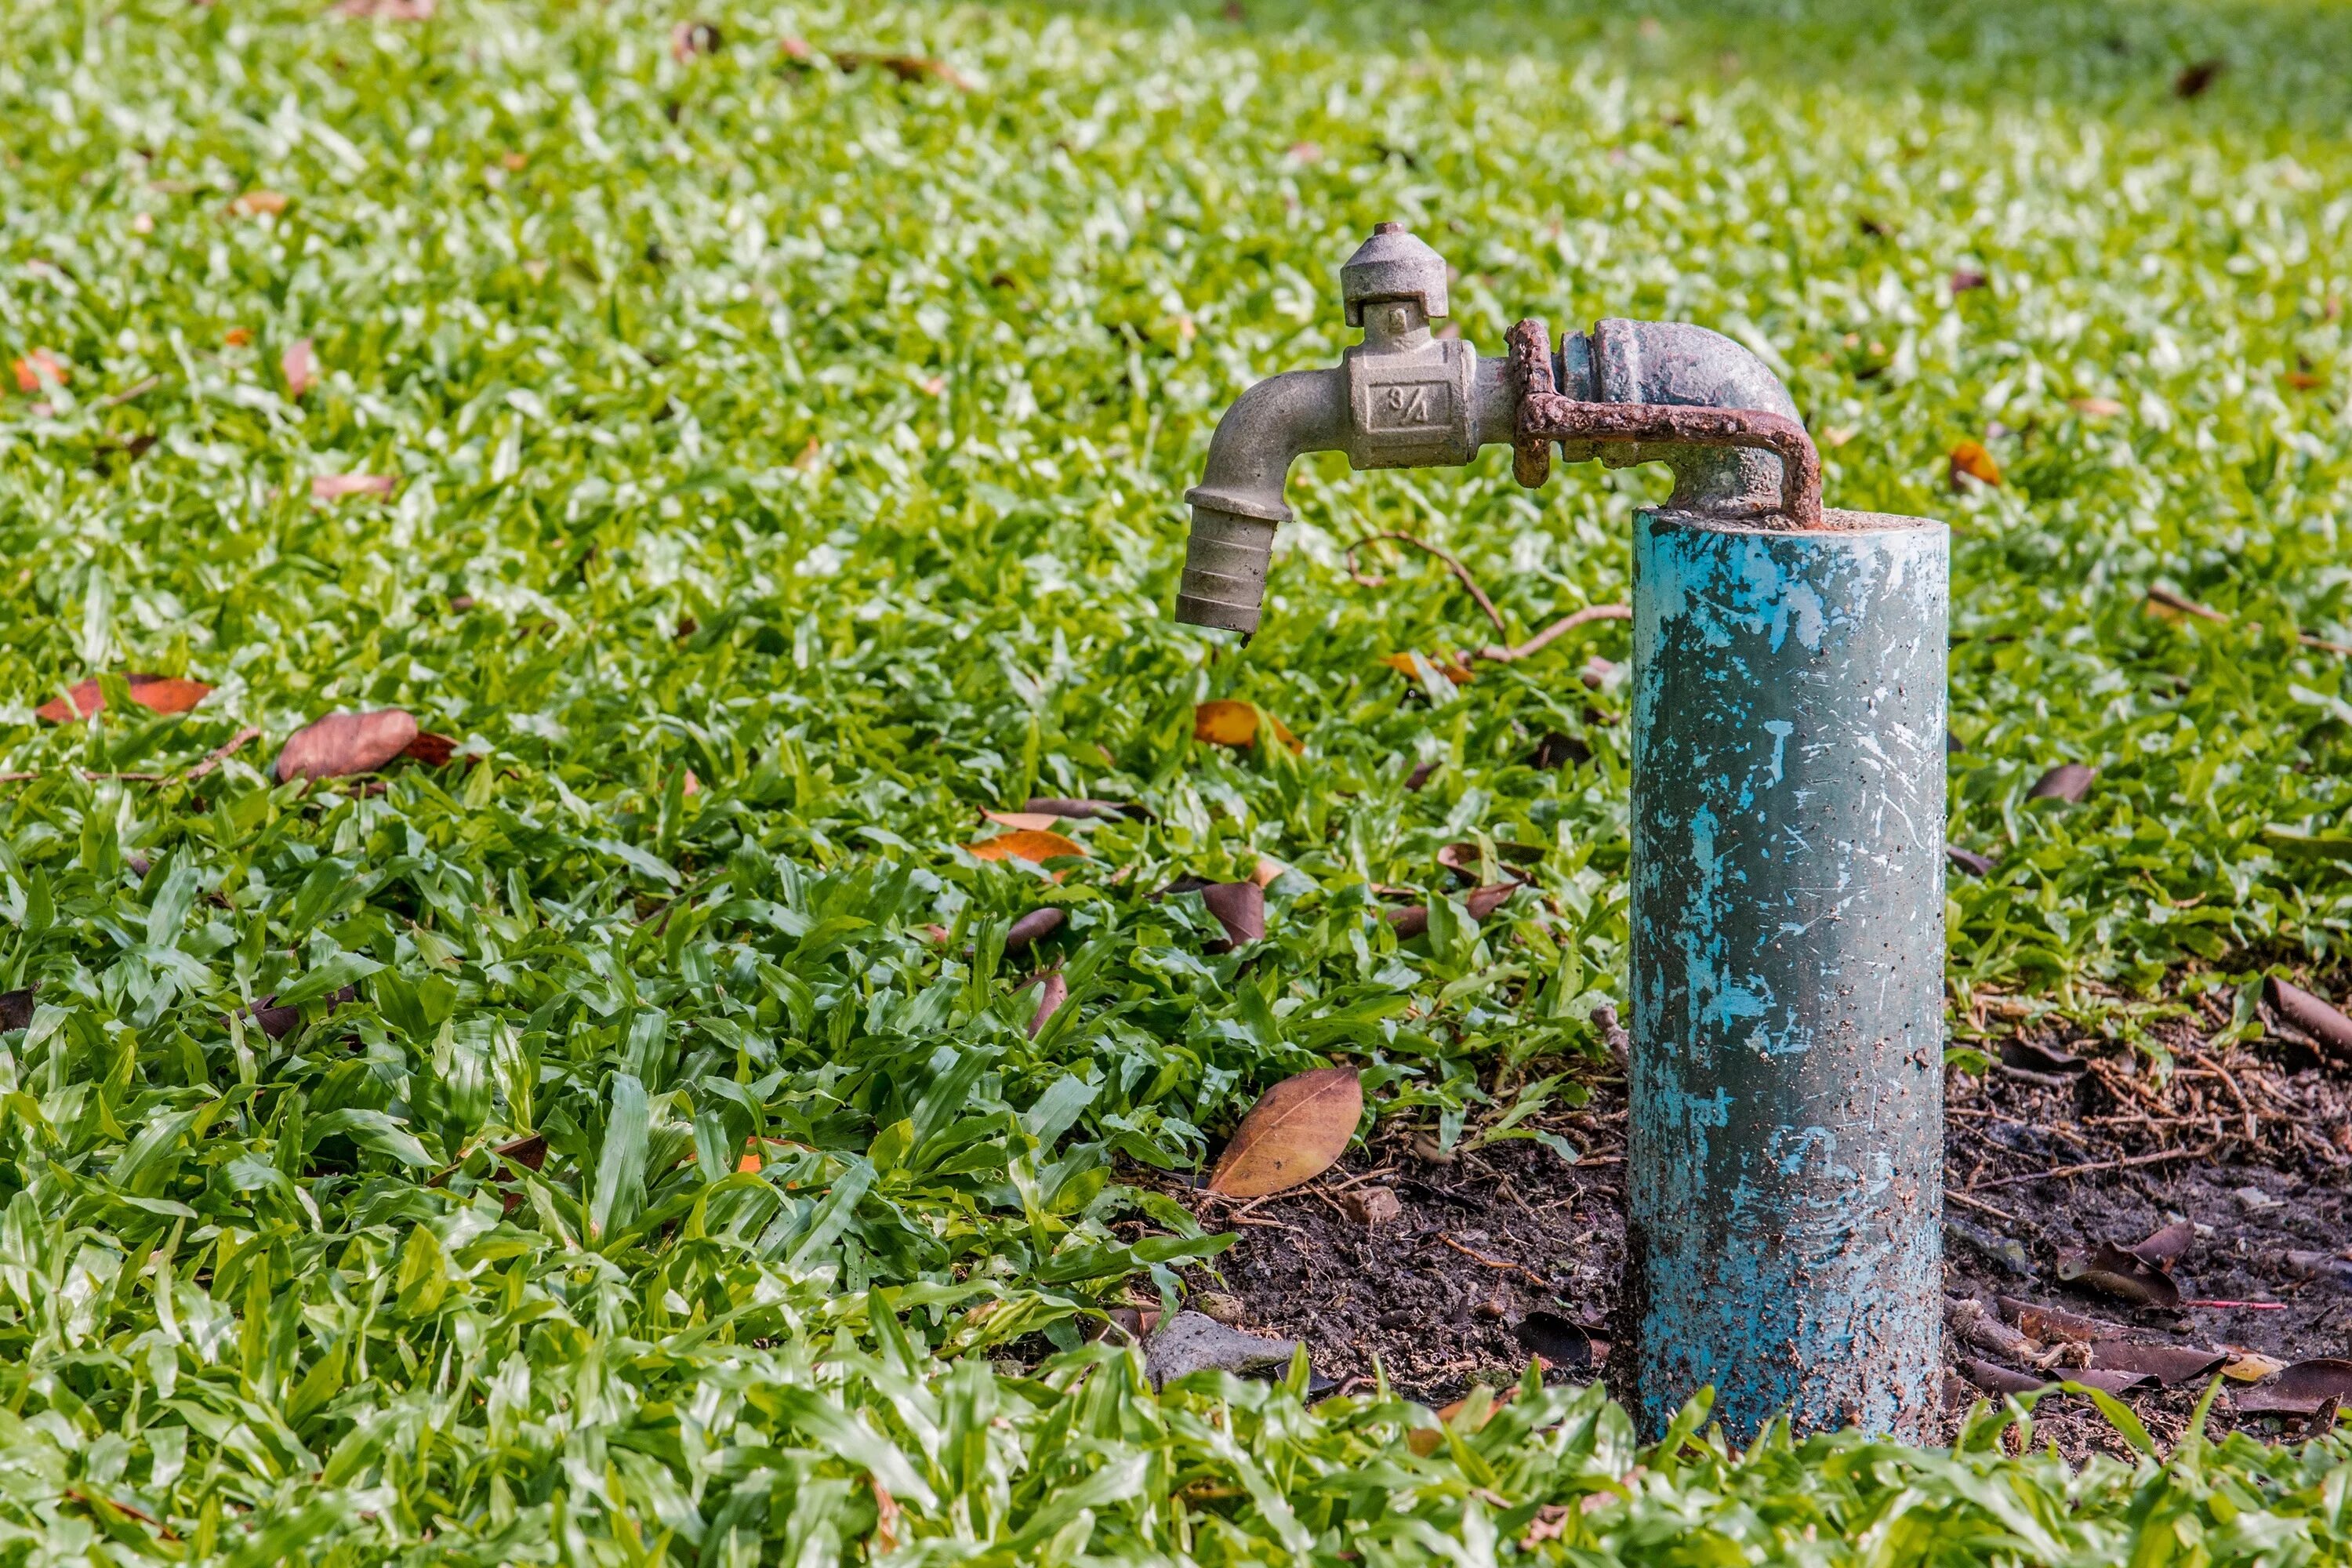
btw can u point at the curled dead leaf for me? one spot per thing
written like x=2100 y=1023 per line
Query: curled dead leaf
x=300 y=366
x=2164 y=1249
x=1024 y=844
x=1083 y=810
x=1227 y=723
x=1267 y=871
x=1462 y=859
x=2055 y=1324
x=2168 y=1364
x=1292 y=1134
x=2301 y=1389
x=1027 y=821
x=257 y=203
x=158 y=693
x=2315 y=1016
x=2108 y=1268
x=341 y=744
x=335 y=486
x=1050 y=997
x=1454 y=670
x=434 y=751
x=2095 y=407
x=1971 y=460
x=1033 y=927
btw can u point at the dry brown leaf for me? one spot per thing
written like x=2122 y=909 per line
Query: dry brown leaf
x=1292 y=1134
x=1229 y=723
x=257 y=203
x=887 y=1535
x=2052 y=1324
x=335 y=486
x=160 y=693
x=1971 y=460
x=1967 y=278
x=2109 y=1268
x=2097 y=407
x=1024 y=844
x=300 y=366
x=433 y=751
x=1402 y=664
x=38 y=369
x=2251 y=1366
x=1267 y=872
x=2069 y=782
x=1050 y=997
x=2168 y=1364
x=2164 y=1249
x=2195 y=78
x=1240 y=909
x=2301 y=1389
x=237 y=337
x=1033 y=927
x=341 y=744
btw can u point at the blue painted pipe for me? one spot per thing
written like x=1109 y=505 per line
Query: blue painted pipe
x=1786 y=1075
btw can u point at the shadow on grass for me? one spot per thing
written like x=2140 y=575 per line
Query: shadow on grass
x=2246 y=65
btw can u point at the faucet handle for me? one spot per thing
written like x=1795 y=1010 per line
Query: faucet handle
x=1393 y=264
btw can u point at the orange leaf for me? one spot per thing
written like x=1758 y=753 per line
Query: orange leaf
x=2098 y=407
x=1027 y=821
x=162 y=693
x=1402 y=664
x=39 y=368
x=2303 y=379
x=1227 y=723
x=1026 y=843
x=237 y=337
x=1970 y=458
x=255 y=203
x=1292 y=1134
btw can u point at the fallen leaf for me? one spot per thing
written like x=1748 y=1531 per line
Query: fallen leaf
x=2303 y=379
x=1425 y=1442
x=806 y=462
x=2053 y=1324
x=2006 y=1251
x=886 y=1517
x=687 y=40
x=160 y=693
x=2035 y=1057
x=2313 y=1015
x=434 y=751
x=1240 y=909
x=1483 y=901
x=1971 y=460
x=1050 y=997
x=334 y=487
x=2109 y=1380
x=2069 y=782
x=17 y=1008
x=905 y=68
x=1967 y=861
x=1409 y=923
x=1024 y=844
x=1560 y=1342
x=2195 y=78
x=300 y=366
x=280 y=1022
x=2168 y=1364
x=2164 y=1248
x=1194 y=1342
x=2095 y=407
x=2251 y=1366
x=1267 y=871
x=1229 y=723
x=341 y=744
x=38 y=369
x=258 y=203
x=2301 y=1389
x=1027 y=821
x=1420 y=777
x=2109 y=1268
x=1033 y=927
x=1402 y=663
x=1996 y=1379
x=1967 y=278
x=1370 y=1206
x=237 y=337
x=750 y=1164
x=1292 y=1134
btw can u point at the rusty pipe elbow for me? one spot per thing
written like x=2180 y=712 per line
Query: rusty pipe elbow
x=1675 y=363
x=1239 y=501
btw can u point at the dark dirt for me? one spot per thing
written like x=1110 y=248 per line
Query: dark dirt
x=2251 y=1143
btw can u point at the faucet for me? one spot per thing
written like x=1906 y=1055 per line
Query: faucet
x=1626 y=392
x=1784 y=1084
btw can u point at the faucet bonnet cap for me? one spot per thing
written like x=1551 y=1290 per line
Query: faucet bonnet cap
x=1393 y=264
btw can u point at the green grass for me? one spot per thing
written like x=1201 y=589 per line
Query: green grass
x=822 y=432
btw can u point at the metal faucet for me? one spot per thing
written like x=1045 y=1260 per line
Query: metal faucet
x=1785 y=1082
x=1627 y=392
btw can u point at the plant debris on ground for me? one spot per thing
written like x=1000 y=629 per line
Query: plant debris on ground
x=631 y=936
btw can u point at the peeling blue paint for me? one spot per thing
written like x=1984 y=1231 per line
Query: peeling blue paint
x=1786 y=1077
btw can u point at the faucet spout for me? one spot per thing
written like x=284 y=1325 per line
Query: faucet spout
x=1238 y=503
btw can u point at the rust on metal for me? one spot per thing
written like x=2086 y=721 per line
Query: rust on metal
x=1530 y=345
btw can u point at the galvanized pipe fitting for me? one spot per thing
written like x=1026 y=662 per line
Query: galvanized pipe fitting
x=1785 y=1071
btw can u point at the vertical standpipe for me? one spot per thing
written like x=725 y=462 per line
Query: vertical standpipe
x=1788 y=958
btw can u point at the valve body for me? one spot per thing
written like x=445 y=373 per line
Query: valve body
x=1786 y=1076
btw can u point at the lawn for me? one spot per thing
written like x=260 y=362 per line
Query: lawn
x=755 y=438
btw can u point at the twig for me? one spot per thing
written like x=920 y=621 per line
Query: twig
x=220 y=754
x=1475 y=1255
x=1460 y=571
x=1559 y=627
x=1979 y=1205
x=115 y=399
x=2238 y=1305
x=2160 y=1156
